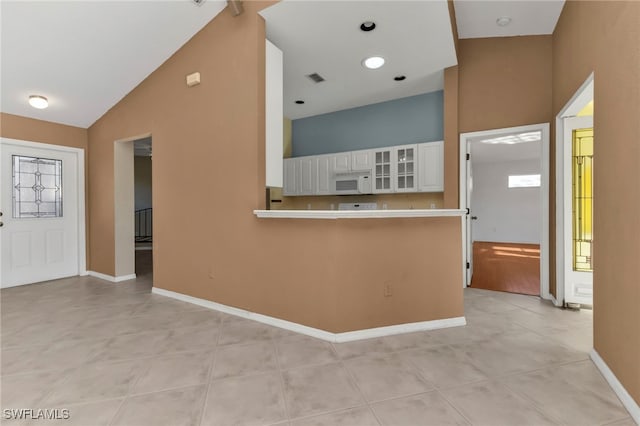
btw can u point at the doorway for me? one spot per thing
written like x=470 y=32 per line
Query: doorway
x=504 y=175
x=42 y=209
x=574 y=199
x=143 y=208
x=125 y=206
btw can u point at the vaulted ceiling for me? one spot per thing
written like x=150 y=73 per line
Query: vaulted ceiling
x=86 y=56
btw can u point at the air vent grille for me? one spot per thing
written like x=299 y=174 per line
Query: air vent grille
x=317 y=78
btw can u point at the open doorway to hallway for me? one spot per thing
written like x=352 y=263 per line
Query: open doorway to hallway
x=504 y=186
x=143 y=214
x=506 y=210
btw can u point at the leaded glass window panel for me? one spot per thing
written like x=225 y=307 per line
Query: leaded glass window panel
x=37 y=187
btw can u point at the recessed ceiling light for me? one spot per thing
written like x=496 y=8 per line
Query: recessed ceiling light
x=373 y=62
x=299 y=102
x=368 y=26
x=503 y=21
x=38 y=101
x=400 y=77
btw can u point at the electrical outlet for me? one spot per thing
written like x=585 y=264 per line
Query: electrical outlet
x=387 y=289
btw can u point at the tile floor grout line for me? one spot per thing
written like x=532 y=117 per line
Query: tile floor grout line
x=282 y=381
x=455 y=407
x=210 y=375
x=362 y=395
x=532 y=403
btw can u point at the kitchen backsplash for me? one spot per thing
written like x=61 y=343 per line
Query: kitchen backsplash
x=429 y=200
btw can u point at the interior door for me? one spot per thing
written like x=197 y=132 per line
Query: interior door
x=578 y=210
x=469 y=218
x=39 y=205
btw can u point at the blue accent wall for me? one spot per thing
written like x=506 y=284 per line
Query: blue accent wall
x=402 y=121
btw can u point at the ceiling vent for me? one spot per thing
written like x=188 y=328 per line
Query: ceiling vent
x=317 y=78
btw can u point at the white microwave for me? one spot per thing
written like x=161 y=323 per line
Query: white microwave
x=353 y=183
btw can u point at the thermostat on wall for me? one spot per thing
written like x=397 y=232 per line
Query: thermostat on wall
x=193 y=79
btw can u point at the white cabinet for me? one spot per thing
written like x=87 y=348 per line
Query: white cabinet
x=307 y=175
x=382 y=172
x=341 y=162
x=290 y=177
x=273 y=116
x=431 y=167
x=362 y=160
x=324 y=174
x=406 y=170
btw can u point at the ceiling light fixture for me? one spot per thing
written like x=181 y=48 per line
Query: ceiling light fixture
x=503 y=21
x=373 y=62
x=368 y=26
x=38 y=101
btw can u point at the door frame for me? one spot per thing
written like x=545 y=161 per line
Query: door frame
x=79 y=153
x=579 y=99
x=465 y=139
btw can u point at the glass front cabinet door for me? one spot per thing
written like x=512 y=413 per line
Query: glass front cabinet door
x=406 y=171
x=382 y=171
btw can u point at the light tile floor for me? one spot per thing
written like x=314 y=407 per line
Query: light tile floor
x=114 y=354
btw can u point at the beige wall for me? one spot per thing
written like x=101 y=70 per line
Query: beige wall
x=208 y=176
x=29 y=129
x=604 y=37
x=504 y=82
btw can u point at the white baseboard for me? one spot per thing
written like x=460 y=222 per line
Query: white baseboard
x=629 y=403
x=111 y=278
x=315 y=332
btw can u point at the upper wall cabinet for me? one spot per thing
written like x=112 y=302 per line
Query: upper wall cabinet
x=431 y=169
x=382 y=172
x=341 y=162
x=405 y=159
x=362 y=160
x=406 y=168
x=274 y=113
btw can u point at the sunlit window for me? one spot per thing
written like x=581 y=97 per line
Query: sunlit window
x=524 y=181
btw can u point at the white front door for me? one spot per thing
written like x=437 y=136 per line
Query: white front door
x=578 y=214
x=39 y=201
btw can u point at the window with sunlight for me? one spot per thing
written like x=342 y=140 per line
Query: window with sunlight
x=524 y=181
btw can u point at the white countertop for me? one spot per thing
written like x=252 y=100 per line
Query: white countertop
x=356 y=214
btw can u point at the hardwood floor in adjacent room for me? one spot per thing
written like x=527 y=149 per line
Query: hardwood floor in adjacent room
x=510 y=267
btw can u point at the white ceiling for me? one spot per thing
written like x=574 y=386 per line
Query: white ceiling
x=486 y=150
x=85 y=56
x=324 y=37
x=477 y=18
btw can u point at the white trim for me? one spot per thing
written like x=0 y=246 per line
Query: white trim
x=465 y=139
x=82 y=230
x=582 y=96
x=356 y=214
x=348 y=336
x=111 y=278
x=627 y=400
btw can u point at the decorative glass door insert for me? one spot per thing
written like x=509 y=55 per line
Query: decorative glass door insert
x=37 y=187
